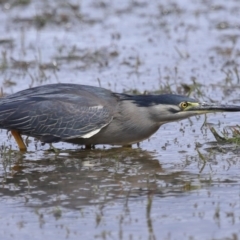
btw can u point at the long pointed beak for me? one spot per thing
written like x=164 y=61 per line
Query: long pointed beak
x=209 y=107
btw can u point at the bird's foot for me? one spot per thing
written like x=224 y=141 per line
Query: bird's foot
x=89 y=147
x=53 y=149
x=127 y=146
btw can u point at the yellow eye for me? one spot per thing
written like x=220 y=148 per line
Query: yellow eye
x=183 y=105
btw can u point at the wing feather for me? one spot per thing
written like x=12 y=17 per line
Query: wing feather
x=69 y=120
x=64 y=115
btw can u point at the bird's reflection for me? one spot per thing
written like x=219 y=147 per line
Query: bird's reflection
x=77 y=178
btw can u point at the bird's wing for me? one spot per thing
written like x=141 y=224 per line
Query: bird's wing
x=59 y=118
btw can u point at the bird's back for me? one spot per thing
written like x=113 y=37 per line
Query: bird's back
x=70 y=92
x=58 y=110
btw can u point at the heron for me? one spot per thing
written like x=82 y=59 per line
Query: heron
x=89 y=115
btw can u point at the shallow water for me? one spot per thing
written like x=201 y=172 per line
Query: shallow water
x=179 y=184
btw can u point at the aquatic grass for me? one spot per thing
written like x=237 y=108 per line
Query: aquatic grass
x=6 y=157
x=224 y=139
x=4 y=61
x=148 y=216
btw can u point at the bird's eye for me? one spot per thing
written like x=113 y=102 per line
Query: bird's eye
x=183 y=105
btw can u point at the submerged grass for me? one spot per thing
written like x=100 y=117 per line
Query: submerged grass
x=234 y=132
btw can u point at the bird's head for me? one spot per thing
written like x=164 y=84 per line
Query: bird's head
x=169 y=107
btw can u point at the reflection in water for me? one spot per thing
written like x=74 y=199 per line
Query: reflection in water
x=77 y=178
x=115 y=191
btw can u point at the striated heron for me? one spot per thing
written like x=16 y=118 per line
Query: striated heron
x=90 y=115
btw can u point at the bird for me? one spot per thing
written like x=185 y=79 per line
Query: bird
x=89 y=115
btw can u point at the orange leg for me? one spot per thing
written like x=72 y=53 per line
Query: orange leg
x=19 y=140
